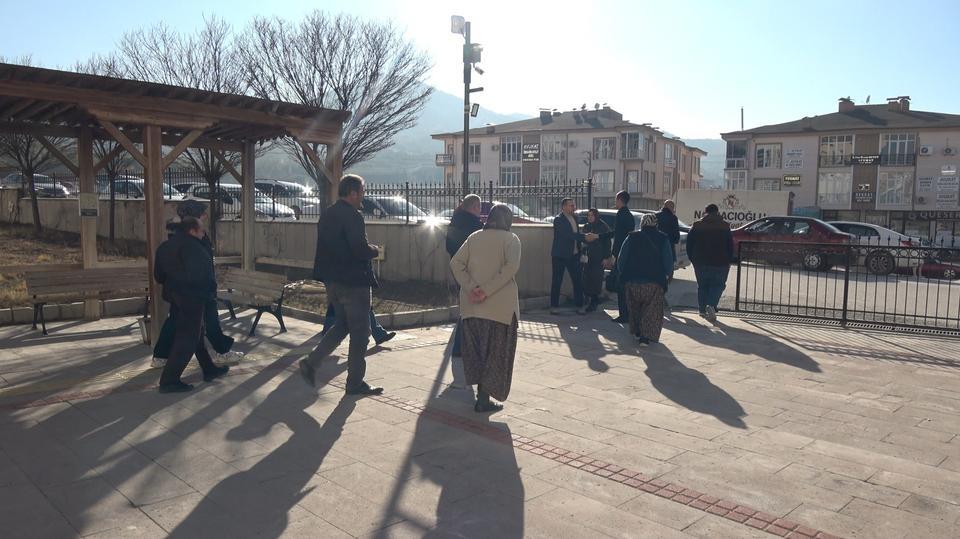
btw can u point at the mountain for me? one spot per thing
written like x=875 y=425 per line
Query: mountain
x=712 y=165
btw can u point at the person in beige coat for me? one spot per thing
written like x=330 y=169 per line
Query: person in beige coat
x=485 y=267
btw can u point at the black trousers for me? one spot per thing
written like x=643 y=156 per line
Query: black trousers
x=571 y=265
x=211 y=326
x=187 y=314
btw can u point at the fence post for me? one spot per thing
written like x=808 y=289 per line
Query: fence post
x=406 y=196
x=846 y=286
x=736 y=301
x=490 y=192
x=590 y=192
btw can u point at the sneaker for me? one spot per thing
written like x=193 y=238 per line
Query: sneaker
x=157 y=363
x=710 y=314
x=229 y=358
x=387 y=337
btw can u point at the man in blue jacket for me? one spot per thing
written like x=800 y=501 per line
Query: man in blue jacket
x=565 y=255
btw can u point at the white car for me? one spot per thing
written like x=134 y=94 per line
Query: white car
x=230 y=202
x=300 y=198
x=884 y=250
x=609 y=217
x=131 y=187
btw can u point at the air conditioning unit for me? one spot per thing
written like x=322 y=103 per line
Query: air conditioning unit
x=494 y=147
x=949 y=151
x=573 y=144
x=921 y=200
x=926 y=150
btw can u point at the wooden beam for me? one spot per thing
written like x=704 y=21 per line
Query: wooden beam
x=88 y=225
x=315 y=159
x=10 y=111
x=184 y=143
x=56 y=112
x=153 y=189
x=103 y=162
x=165 y=119
x=226 y=164
x=125 y=142
x=54 y=151
x=247 y=212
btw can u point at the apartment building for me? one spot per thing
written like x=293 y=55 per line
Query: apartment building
x=884 y=164
x=576 y=144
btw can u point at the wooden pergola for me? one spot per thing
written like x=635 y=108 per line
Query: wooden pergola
x=46 y=104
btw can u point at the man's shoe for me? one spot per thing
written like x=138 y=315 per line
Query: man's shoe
x=215 y=373
x=710 y=314
x=308 y=373
x=365 y=390
x=387 y=337
x=176 y=387
x=157 y=363
x=619 y=320
x=484 y=407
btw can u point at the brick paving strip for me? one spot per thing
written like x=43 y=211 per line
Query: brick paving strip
x=671 y=491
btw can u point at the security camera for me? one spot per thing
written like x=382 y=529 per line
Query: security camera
x=478 y=70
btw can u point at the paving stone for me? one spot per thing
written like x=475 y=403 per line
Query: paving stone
x=714 y=526
x=25 y=512
x=882 y=521
x=666 y=512
x=93 y=506
x=945 y=490
x=568 y=506
x=589 y=485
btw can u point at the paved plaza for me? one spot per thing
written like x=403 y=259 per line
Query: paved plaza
x=755 y=428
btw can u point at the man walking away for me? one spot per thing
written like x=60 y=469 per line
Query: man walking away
x=464 y=222
x=710 y=247
x=185 y=269
x=343 y=263
x=565 y=255
x=624 y=225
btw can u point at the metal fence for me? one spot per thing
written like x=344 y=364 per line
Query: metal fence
x=890 y=285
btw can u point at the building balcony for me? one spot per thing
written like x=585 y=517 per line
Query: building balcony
x=898 y=159
x=445 y=160
x=737 y=162
x=631 y=153
x=835 y=160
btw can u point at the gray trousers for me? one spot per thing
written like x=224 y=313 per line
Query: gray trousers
x=352 y=305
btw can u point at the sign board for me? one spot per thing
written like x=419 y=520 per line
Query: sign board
x=948 y=170
x=793 y=163
x=89 y=204
x=791 y=179
x=863 y=193
x=924 y=185
x=795 y=152
x=946 y=200
x=948 y=183
x=531 y=152
x=444 y=159
x=736 y=207
x=865 y=159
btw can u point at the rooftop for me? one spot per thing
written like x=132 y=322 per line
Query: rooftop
x=860 y=117
x=574 y=120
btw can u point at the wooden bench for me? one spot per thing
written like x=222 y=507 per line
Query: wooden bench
x=49 y=286
x=259 y=290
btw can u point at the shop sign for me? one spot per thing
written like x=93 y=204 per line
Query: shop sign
x=531 y=152
x=924 y=185
x=865 y=160
x=791 y=179
x=864 y=193
x=948 y=183
x=795 y=152
x=793 y=163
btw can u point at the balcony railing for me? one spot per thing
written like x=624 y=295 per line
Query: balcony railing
x=898 y=159
x=444 y=159
x=835 y=160
x=631 y=153
x=736 y=162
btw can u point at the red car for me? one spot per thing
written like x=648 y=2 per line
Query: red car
x=776 y=236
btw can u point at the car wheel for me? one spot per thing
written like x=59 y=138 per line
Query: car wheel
x=950 y=274
x=814 y=261
x=880 y=263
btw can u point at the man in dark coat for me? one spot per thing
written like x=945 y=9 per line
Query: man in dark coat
x=668 y=223
x=343 y=263
x=565 y=255
x=624 y=225
x=710 y=247
x=185 y=269
x=465 y=221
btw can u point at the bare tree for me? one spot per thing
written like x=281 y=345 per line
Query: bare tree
x=339 y=62
x=205 y=60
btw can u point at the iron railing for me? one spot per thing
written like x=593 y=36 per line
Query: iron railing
x=884 y=284
x=898 y=159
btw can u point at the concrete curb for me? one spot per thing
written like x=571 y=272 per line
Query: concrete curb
x=71 y=311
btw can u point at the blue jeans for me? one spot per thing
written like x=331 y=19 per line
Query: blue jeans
x=711 y=282
x=376 y=330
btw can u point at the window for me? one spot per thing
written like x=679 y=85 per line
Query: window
x=735 y=180
x=834 y=188
x=696 y=165
x=652 y=151
x=604 y=149
x=630 y=145
x=736 y=154
x=898 y=149
x=668 y=177
x=552 y=148
x=474 y=153
x=796 y=227
x=768 y=156
x=552 y=174
x=450 y=149
x=766 y=184
x=603 y=181
x=473 y=178
x=647 y=185
x=633 y=181
x=683 y=160
x=894 y=188
x=766 y=226
x=835 y=150
x=510 y=176
x=510 y=149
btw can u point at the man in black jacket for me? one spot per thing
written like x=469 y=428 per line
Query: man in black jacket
x=624 y=225
x=465 y=221
x=343 y=263
x=668 y=223
x=565 y=255
x=710 y=247
x=185 y=269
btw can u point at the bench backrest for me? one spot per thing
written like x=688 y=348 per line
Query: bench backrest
x=91 y=280
x=254 y=283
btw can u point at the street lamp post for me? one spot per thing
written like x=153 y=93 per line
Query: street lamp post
x=471 y=56
x=589 y=162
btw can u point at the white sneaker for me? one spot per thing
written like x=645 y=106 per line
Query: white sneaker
x=230 y=358
x=711 y=314
x=157 y=363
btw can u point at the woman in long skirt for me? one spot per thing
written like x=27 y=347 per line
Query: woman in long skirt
x=645 y=265
x=485 y=267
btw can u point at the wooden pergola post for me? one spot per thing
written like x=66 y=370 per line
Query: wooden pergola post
x=153 y=191
x=334 y=164
x=88 y=225
x=248 y=196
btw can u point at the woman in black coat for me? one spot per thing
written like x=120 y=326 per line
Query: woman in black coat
x=595 y=253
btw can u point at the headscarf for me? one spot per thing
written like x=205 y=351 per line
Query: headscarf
x=500 y=218
x=648 y=219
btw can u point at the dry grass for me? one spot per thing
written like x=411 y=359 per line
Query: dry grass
x=389 y=298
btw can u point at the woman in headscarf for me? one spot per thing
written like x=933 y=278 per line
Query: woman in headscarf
x=485 y=267
x=595 y=252
x=645 y=265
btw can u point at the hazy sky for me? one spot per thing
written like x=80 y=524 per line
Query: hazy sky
x=685 y=66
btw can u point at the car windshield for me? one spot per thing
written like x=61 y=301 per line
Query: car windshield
x=398 y=207
x=831 y=228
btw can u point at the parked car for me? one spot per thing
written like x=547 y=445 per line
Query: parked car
x=300 y=198
x=52 y=191
x=391 y=207
x=884 y=250
x=41 y=182
x=132 y=187
x=609 y=217
x=825 y=244
x=519 y=216
x=231 y=205
x=936 y=269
